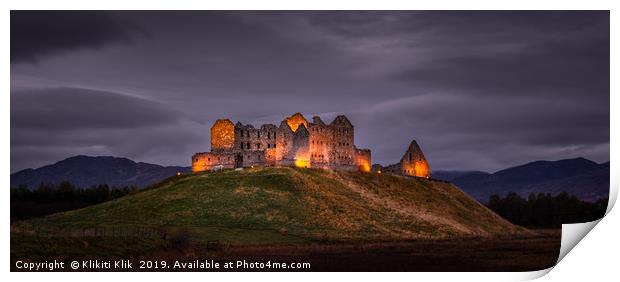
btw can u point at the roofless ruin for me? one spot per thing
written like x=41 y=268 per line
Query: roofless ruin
x=296 y=142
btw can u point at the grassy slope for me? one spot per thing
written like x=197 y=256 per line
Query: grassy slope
x=288 y=205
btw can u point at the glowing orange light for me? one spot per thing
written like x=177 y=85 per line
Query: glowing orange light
x=422 y=169
x=223 y=134
x=364 y=167
x=302 y=159
x=295 y=121
x=417 y=168
x=363 y=161
x=302 y=163
x=178 y=173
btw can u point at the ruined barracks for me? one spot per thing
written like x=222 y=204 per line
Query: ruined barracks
x=296 y=142
x=413 y=163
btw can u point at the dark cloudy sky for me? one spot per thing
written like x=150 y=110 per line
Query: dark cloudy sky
x=477 y=90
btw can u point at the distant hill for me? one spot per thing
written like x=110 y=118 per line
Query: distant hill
x=85 y=171
x=580 y=177
x=450 y=175
x=279 y=205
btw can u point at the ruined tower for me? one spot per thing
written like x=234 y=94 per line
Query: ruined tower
x=222 y=135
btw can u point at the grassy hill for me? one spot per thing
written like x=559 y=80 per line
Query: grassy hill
x=291 y=205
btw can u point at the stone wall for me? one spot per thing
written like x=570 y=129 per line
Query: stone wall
x=248 y=138
x=253 y=158
x=210 y=160
x=284 y=143
x=343 y=142
x=222 y=135
x=321 y=143
x=394 y=168
x=362 y=159
x=413 y=163
x=300 y=151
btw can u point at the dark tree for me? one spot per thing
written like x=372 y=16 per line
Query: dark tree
x=48 y=199
x=546 y=211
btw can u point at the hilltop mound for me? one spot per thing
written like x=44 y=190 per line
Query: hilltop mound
x=275 y=205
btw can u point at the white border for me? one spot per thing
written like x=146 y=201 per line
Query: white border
x=597 y=260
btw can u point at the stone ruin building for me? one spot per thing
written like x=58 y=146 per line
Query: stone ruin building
x=413 y=163
x=296 y=142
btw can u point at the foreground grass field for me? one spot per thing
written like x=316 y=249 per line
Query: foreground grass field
x=267 y=206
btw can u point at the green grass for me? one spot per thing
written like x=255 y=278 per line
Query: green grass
x=277 y=206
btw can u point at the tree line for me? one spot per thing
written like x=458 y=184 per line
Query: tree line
x=543 y=210
x=64 y=196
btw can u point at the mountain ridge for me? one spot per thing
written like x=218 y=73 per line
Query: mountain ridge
x=85 y=171
x=581 y=177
